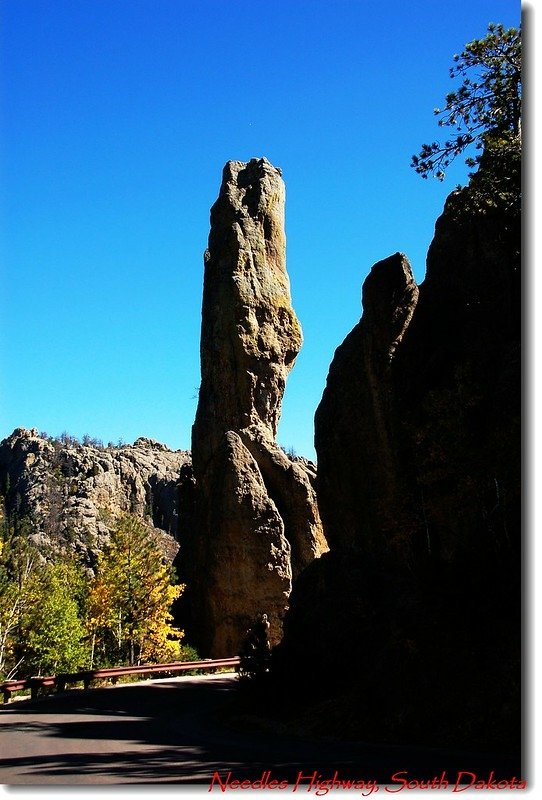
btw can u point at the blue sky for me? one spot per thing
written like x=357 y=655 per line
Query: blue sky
x=117 y=117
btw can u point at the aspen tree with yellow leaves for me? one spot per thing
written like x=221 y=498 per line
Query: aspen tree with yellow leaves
x=129 y=617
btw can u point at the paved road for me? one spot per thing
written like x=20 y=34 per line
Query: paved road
x=172 y=731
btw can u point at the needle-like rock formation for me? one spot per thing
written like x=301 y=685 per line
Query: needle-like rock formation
x=256 y=517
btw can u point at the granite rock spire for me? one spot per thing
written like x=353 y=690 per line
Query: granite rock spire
x=256 y=519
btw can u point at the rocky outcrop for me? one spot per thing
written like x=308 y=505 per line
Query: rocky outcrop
x=417 y=433
x=356 y=426
x=72 y=493
x=419 y=468
x=256 y=517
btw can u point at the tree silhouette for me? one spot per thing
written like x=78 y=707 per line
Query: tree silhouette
x=487 y=105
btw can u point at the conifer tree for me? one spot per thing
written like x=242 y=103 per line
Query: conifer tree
x=485 y=110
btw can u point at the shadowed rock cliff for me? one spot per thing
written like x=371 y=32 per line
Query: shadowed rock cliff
x=356 y=426
x=256 y=520
x=418 y=441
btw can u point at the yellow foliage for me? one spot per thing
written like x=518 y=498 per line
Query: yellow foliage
x=131 y=598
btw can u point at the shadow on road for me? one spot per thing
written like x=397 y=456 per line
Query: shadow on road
x=174 y=732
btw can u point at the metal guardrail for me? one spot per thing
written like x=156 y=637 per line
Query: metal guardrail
x=59 y=682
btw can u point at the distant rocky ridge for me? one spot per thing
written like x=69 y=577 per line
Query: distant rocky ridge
x=73 y=492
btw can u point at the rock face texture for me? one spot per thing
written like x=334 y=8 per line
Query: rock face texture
x=250 y=335
x=256 y=517
x=74 y=492
x=419 y=468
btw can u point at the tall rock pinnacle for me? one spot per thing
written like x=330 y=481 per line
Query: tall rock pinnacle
x=250 y=335
x=256 y=518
